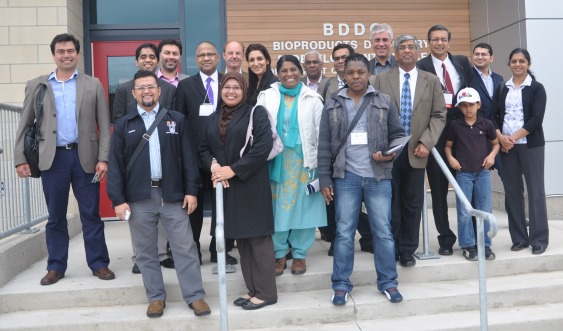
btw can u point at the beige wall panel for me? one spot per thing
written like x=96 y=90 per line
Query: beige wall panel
x=294 y=27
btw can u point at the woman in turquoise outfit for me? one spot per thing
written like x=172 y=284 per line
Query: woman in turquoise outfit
x=296 y=109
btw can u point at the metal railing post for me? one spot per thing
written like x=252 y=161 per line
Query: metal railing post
x=480 y=216
x=426 y=253
x=27 y=208
x=221 y=258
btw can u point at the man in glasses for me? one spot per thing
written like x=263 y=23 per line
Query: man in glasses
x=420 y=101
x=157 y=185
x=146 y=58
x=313 y=66
x=455 y=73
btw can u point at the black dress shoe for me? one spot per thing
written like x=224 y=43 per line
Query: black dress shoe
x=331 y=249
x=253 y=306
x=231 y=260
x=367 y=249
x=168 y=263
x=537 y=250
x=241 y=301
x=445 y=251
x=407 y=260
x=519 y=246
x=135 y=269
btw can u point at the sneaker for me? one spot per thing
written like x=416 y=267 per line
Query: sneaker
x=470 y=253
x=339 y=297
x=281 y=265
x=489 y=255
x=393 y=294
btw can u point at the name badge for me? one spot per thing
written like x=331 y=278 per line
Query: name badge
x=359 y=138
x=449 y=98
x=205 y=109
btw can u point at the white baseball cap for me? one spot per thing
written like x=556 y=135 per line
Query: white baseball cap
x=468 y=94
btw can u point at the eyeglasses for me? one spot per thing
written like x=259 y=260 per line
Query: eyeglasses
x=204 y=55
x=405 y=47
x=235 y=88
x=338 y=58
x=437 y=40
x=145 y=88
x=308 y=63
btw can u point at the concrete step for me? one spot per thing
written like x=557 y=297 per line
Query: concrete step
x=548 y=317
x=80 y=289
x=309 y=308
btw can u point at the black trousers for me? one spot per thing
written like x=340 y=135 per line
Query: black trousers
x=408 y=198
x=439 y=191
x=257 y=264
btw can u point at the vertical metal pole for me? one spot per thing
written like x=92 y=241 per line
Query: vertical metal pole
x=221 y=258
x=27 y=208
x=482 y=273
x=426 y=253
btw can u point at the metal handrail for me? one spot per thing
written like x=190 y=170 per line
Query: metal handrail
x=480 y=217
x=221 y=258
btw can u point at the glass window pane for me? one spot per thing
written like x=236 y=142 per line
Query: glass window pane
x=134 y=12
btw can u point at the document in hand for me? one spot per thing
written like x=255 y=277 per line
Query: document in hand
x=396 y=145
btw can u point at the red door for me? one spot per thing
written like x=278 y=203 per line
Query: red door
x=113 y=63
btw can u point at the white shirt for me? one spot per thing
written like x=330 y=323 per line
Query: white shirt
x=314 y=86
x=514 y=109
x=214 y=86
x=488 y=81
x=154 y=143
x=454 y=75
x=412 y=82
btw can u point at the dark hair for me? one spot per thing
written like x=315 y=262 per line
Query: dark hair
x=526 y=54
x=62 y=38
x=290 y=58
x=484 y=45
x=357 y=57
x=165 y=42
x=341 y=46
x=143 y=74
x=439 y=28
x=252 y=77
x=147 y=45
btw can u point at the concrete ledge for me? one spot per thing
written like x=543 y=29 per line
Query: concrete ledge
x=19 y=251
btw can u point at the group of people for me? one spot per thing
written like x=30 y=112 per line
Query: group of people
x=293 y=152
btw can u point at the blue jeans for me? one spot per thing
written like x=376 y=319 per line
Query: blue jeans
x=348 y=194
x=480 y=184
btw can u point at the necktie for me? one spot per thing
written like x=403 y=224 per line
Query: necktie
x=209 y=91
x=447 y=79
x=406 y=104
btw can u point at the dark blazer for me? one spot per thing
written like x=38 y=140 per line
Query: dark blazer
x=91 y=113
x=180 y=175
x=486 y=101
x=189 y=96
x=124 y=101
x=534 y=100
x=248 y=200
x=267 y=79
x=428 y=111
x=463 y=67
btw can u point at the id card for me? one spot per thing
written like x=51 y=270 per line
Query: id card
x=205 y=109
x=359 y=138
x=449 y=98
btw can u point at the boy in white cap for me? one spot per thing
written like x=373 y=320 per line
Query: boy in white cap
x=469 y=152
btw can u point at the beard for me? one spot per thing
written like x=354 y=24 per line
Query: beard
x=149 y=103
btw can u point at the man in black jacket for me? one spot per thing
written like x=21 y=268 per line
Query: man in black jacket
x=455 y=73
x=197 y=97
x=156 y=187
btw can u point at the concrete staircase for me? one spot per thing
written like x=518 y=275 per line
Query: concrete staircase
x=525 y=292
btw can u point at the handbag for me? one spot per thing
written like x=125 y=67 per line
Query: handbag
x=31 y=137
x=277 y=147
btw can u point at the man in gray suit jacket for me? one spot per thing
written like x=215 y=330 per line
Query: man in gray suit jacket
x=419 y=98
x=73 y=149
x=170 y=52
x=146 y=58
